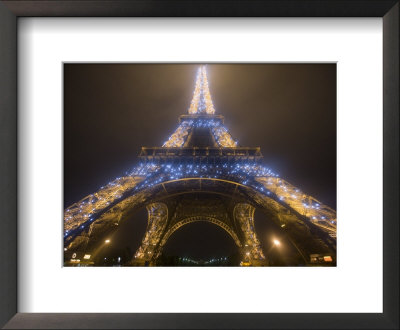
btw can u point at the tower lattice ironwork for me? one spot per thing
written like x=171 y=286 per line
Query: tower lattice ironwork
x=200 y=174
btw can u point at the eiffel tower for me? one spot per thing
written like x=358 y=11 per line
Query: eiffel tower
x=200 y=174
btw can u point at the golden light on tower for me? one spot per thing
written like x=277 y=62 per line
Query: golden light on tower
x=201 y=89
x=196 y=95
x=207 y=96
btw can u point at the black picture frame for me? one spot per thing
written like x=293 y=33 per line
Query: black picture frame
x=388 y=10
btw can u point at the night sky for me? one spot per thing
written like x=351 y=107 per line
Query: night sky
x=112 y=110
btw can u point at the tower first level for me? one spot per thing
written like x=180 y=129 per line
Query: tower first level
x=171 y=204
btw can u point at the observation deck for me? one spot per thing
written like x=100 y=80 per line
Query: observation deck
x=206 y=154
x=202 y=116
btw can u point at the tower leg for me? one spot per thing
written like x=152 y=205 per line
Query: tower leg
x=252 y=253
x=149 y=250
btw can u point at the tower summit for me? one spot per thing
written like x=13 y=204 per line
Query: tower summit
x=201 y=102
x=201 y=127
x=200 y=174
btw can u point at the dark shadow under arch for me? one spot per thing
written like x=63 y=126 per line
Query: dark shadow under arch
x=200 y=240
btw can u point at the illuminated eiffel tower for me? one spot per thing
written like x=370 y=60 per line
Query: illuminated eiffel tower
x=200 y=174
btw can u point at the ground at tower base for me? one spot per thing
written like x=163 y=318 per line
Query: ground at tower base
x=202 y=179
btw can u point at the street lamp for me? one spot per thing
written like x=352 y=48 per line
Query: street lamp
x=276 y=242
x=107 y=241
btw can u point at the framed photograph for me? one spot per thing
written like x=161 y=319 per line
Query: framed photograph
x=199 y=164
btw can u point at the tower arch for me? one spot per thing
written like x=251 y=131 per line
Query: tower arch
x=212 y=220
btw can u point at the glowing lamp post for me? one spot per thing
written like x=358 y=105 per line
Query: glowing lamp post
x=276 y=242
